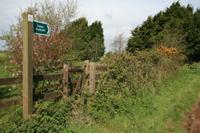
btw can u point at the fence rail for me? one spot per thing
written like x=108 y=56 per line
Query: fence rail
x=7 y=81
x=18 y=100
x=37 y=78
x=89 y=75
x=8 y=102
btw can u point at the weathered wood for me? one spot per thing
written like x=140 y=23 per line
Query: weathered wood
x=101 y=67
x=92 y=74
x=8 y=81
x=89 y=76
x=79 y=84
x=75 y=70
x=27 y=67
x=65 y=81
x=98 y=76
x=87 y=71
x=92 y=79
x=9 y=102
x=37 y=78
x=52 y=95
x=74 y=81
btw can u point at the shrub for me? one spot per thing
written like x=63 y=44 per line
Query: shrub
x=49 y=117
x=127 y=75
x=48 y=52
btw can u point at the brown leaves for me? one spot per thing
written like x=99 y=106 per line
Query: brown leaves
x=169 y=51
x=47 y=51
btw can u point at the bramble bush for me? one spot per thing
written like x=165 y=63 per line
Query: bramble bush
x=48 y=117
x=127 y=75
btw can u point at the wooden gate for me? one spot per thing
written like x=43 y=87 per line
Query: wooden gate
x=85 y=79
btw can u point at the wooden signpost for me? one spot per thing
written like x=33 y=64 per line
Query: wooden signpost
x=27 y=67
x=30 y=26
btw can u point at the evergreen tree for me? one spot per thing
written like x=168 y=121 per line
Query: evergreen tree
x=77 y=32
x=87 y=41
x=193 y=38
x=179 y=20
x=96 y=41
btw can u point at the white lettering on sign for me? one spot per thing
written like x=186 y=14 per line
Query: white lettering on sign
x=40 y=28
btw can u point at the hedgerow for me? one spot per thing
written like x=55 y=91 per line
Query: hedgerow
x=127 y=75
x=119 y=87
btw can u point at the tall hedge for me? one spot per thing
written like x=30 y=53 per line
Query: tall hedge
x=176 y=18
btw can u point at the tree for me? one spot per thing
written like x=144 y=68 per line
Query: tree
x=119 y=43
x=47 y=51
x=87 y=40
x=96 y=41
x=193 y=38
x=77 y=31
x=178 y=20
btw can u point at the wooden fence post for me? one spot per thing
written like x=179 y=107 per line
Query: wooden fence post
x=92 y=78
x=86 y=67
x=86 y=70
x=65 y=81
x=27 y=67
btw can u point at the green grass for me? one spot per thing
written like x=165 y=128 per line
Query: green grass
x=4 y=61
x=8 y=90
x=159 y=112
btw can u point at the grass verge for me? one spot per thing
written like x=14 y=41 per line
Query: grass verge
x=161 y=111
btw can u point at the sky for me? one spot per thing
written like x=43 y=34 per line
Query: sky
x=117 y=16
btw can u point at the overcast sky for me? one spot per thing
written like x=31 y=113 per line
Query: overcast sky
x=117 y=16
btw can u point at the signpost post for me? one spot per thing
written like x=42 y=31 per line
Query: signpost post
x=30 y=26
x=27 y=67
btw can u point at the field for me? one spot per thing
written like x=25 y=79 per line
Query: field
x=163 y=111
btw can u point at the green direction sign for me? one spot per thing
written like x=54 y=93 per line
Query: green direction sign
x=41 y=28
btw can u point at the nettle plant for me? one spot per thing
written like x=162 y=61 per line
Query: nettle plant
x=48 y=52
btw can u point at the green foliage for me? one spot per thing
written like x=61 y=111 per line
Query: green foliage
x=49 y=117
x=96 y=41
x=77 y=32
x=182 y=22
x=4 y=61
x=193 y=37
x=160 y=112
x=127 y=75
x=47 y=51
x=87 y=41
